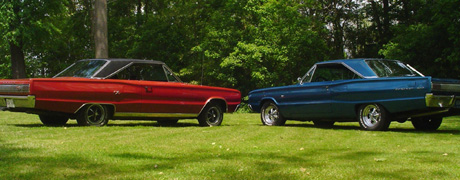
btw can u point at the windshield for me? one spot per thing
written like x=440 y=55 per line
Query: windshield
x=386 y=68
x=85 y=69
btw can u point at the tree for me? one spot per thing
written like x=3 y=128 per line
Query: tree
x=100 y=29
x=24 y=25
x=429 y=40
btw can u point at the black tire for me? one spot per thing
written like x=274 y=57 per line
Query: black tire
x=271 y=116
x=48 y=120
x=373 y=117
x=426 y=123
x=93 y=115
x=212 y=115
x=324 y=124
x=169 y=122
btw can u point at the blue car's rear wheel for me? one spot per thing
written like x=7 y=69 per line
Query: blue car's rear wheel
x=426 y=123
x=373 y=117
x=271 y=116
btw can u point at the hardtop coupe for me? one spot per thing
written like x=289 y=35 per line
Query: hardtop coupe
x=92 y=91
x=373 y=92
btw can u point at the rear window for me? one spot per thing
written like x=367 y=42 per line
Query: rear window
x=85 y=69
x=386 y=68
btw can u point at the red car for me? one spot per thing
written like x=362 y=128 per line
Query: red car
x=95 y=90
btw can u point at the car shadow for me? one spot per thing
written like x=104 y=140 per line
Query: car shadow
x=338 y=126
x=146 y=124
x=439 y=131
x=153 y=124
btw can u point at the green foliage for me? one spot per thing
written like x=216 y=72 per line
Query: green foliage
x=431 y=41
x=34 y=26
x=239 y=149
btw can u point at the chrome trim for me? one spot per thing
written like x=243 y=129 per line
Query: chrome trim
x=19 y=101
x=117 y=71
x=101 y=68
x=445 y=87
x=173 y=74
x=237 y=107
x=441 y=101
x=309 y=73
x=155 y=115
x=64 y=70
x=431 y=113
x=415 y=70
x=15 y=88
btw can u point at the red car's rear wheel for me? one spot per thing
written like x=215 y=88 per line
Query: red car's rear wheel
x=93 y=115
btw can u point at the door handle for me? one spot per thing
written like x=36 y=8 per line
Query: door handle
x=148 y=89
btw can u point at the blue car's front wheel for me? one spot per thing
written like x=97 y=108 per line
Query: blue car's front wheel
x=270 y=115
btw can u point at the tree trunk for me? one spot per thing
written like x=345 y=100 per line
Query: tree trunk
x=100 y=32
x=18 y=66
x=386 y=21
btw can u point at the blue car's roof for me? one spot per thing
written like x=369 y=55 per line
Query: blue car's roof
x=358 y=65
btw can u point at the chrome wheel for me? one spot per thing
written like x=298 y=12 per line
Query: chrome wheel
x=270 y=115
x=93 y=115
x=373 y=117
x=212 y=115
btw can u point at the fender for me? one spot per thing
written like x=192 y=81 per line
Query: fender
x=215 y=98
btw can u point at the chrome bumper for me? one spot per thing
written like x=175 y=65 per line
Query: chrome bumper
x=441 y=101
x=17 y=101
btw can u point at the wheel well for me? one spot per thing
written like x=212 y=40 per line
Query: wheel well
x=264 y=101
x=110 y=108
x=359 y=105
x=222 y=104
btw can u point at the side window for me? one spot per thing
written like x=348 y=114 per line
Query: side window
x=147 y=72
x=332 y=72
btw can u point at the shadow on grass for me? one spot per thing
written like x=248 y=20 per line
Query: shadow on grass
x=18 y=162
x=128 y=124
x=339 y=126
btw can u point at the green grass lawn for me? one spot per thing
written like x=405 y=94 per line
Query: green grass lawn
x=239 y=149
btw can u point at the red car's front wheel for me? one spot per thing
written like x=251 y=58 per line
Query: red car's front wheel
x=212 y=115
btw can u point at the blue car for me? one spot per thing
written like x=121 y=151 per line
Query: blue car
x=373 y=92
